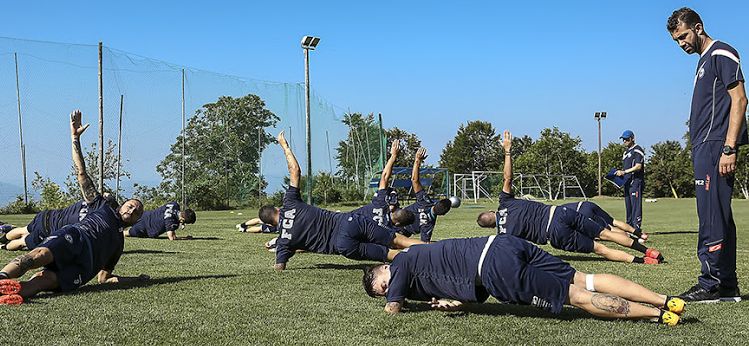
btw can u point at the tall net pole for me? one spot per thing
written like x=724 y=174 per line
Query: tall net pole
x=20 y=135
x=101 y=123
x=184 y=197
x=309 y=130
x=119 y=150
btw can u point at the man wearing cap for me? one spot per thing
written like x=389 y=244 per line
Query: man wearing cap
x=716 y=129
x=633 y=172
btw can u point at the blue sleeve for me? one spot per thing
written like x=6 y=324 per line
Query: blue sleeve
x=638 y=156
x=398 y=285
x=504 y=196
x=727 y=69
x=423 y=198
x=426 y=232
x=283 y=253
x=114 y=259
x=378 y=200
x=292 y=197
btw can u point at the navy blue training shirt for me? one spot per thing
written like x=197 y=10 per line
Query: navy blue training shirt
x=58 y=218
x=378 y=210
x=445 y=269
x=719 y=67
x=522 y=218
x=158 y=221
x=101 y=231
x=425 y=219
x=305 y=227
x=631 y=157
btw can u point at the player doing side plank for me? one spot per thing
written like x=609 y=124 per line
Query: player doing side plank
x=305 y=227
x=562 y=227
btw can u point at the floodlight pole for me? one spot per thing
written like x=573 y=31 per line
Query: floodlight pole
x=598 y=116
x=308 y=43
x=119 y=150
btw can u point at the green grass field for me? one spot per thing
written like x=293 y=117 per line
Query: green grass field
x=220 y=289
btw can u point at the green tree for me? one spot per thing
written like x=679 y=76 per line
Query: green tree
x=556 y=153
x=742 y=172
x=611 y=157
x=224 y=141
x=410 y=143
x=475 y=147
x=669 y=171
x=51 y=195
x=359 y=154
x=91 y=157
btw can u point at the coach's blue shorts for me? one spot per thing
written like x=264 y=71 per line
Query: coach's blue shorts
x=572 y=231
x=72 y=258
x=37 y=230
x=516 y=271
x=595 y=212
x=360 y=238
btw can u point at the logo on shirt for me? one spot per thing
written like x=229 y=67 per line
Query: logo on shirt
x=501 y=221
x=288 y=222
x=700 y=73
x=540 y=302
x=78 y=280
x=69 y=238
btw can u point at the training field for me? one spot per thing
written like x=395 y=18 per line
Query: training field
x=221 y=289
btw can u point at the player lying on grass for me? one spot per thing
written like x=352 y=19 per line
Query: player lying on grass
x=595 y=212
x=305 y=227
x=451 y=272
x=255 y=226
x=424 y=207
x=164 y=219
x=74 y=254
x=384 y=206
x=563 y=228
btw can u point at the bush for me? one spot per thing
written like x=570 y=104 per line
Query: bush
x=19 y=207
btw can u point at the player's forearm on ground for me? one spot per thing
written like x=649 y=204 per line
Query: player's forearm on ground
x=88 y=190
x=736 y=118
x=393 y=307
x=171 y=235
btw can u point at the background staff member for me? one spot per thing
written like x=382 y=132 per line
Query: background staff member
x=633 y=171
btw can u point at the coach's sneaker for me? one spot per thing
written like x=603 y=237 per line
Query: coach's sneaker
x=668 y=318
x=11 y=299
x=9 y=286
x=675 y=305
x=729 y=294
x=653 y=253
x=698 y=294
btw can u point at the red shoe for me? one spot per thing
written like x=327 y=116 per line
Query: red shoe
x=8 y=286
x=653 y=253
x=649 y=260
x=12 y=299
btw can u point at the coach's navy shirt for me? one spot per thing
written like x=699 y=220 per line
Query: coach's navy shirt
x=718 y=68
x=158 y=221
x=522 y=218
x=101 y=232
x=378 y=210
x=58 y=218
x=425 y=218
x=445 y=269
x=631 y=157
x=305 y=227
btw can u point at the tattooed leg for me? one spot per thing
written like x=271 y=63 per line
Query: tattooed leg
x=21 y=264
x=607 y=302
x=621 y=287
x=611 y=306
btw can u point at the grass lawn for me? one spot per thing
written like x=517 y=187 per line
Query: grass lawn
x=221 y=289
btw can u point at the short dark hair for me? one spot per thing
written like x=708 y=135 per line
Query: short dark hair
x=402 y=217
x=189 y=216
x=266 y=214
x=368 y=280
x=442 y=207
x=684 y=15
x=487 y=219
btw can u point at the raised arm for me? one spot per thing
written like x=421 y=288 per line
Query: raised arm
x=387 y=171
x=294 y=171
x=507 y=145
x=88 y=190
x=421 y=155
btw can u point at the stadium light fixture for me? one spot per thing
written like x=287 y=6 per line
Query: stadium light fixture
x=599 y=116
x=308 y=43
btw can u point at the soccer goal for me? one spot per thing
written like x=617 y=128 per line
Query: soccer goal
x=484 y=184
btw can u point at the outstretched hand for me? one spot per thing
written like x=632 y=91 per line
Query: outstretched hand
x=395 y=147
x=421 y=154
x=75 y=124
x=282 y=139
x=507 y=141
x=445 y=304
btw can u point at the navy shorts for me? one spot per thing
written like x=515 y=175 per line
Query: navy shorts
x=572 y=231
x=72 y=258
x=516 y=271
x=595 y=212
x=360 y=238
x=37 y=230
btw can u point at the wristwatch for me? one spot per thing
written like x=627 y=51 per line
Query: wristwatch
x=728 y=150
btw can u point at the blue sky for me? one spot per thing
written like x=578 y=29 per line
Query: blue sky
x=426 y=66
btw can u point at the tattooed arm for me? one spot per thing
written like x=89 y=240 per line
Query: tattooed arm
x=295 y=172
x=88 y=190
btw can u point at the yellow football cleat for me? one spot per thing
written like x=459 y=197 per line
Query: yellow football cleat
x=675 y=305
x=669 y=318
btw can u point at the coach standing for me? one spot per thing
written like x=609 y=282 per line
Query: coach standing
x=633 y=171
x=716 y=129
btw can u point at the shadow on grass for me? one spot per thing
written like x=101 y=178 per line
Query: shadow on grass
x=354 y=266
x=674 y=232
x=581 y=258
x=139 y=284
x=193 y=238
x=138 y=252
